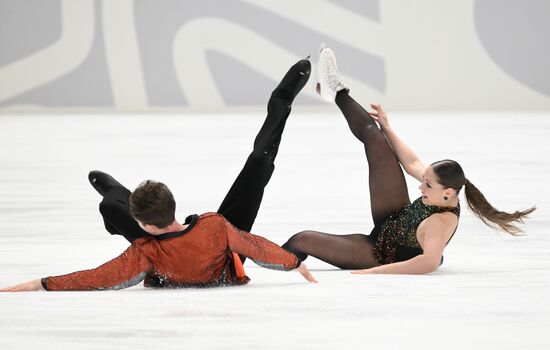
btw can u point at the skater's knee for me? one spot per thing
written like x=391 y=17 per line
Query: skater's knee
x=368 y=132
x=298 y=244
x=279 y=104
x=301 y=239
x=104 y=207
x=108 y=207
x=258 y=156
x=262 y=157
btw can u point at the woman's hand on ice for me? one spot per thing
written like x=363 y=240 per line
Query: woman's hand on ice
x=363 y=272
x=303 y=270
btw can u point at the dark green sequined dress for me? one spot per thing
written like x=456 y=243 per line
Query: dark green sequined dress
x=395 y=239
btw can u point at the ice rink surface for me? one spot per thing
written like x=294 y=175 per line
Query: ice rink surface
x=491 y=293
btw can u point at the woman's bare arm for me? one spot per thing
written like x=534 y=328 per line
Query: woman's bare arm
x=410 y=161
x=437 y=230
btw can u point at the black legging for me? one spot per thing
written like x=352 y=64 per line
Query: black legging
x=242 y=202
x=388 y=192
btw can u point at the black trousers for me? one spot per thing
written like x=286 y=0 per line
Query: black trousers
x=241 y=204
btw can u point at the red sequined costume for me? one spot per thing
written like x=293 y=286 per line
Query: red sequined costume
x=203 y=255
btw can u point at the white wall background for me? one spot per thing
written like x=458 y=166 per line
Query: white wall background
x=150 y=55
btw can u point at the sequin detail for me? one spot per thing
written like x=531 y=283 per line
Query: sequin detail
x=399 y=229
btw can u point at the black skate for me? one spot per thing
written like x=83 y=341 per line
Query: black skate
x=293 y=81
x=102 y=182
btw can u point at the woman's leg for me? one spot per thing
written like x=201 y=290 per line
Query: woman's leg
x=388 y=189
x=241 y=204
x=343 y=251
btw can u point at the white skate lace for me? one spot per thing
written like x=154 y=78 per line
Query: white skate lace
x=332 y=75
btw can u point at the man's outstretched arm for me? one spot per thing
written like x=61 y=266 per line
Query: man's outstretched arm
x=264 y=252
x=24 y=287
x=126 y=270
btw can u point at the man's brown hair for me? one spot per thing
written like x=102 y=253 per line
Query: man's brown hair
x=152 y=203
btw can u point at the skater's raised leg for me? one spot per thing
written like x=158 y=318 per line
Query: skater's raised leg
x=114 y=207
x=241 y=204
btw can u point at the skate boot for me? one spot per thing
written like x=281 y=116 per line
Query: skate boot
x=328 y=77
x=102 y=182
x=294 y=80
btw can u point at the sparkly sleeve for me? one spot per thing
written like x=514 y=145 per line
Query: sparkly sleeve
x=262 y=251
x=126 y=270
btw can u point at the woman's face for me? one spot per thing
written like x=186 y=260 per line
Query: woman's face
x=433 y=193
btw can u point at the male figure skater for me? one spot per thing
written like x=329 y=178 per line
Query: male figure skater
x=204 y=250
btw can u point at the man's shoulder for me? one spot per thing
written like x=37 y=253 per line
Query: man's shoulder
x=142 y=241
x=212 y=221
x=210 y=216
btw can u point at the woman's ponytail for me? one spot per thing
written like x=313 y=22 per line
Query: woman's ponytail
x=489 y=215
x=451 y=175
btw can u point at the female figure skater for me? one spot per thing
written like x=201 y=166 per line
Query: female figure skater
x=201 y=252
x=407 y=238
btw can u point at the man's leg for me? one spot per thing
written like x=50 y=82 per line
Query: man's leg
x=115 y=207
x=242 y=202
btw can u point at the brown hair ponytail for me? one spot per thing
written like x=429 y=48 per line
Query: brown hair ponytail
x=451 y=175
x=489 y=215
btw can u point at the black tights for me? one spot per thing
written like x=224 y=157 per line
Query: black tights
x=388 y=192
x=242 y=202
